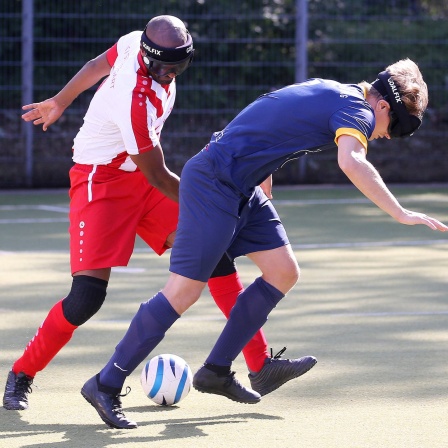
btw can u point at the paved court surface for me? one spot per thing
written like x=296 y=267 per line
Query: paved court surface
x=371 y=306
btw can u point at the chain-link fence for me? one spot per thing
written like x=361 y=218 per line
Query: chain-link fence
x=243 y=48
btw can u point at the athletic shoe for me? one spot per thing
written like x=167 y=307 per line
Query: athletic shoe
x=16 y=391
x=108 y=405
x=277 y=371
x=210 y=382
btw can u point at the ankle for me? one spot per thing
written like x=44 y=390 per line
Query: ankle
x=106 y=389
x=220 y=370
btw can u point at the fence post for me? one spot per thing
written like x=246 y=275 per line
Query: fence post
x=301 y=68
x=28 y=83
x=301 y=40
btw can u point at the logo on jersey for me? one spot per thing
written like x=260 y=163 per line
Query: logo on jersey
x=116 y=68
x=218 y=135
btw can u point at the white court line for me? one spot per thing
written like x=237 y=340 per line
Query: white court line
x=298 y=202
x=282 y=202
x=32 y=220
x=288 y=202
x=369 y=244
x=217 y=317
x=141 y=250
x=42 y=207
x=205 y=318
x=304 y=202
x=128 y=270
x=392 y=314
x=48 y=208
x=348 y=245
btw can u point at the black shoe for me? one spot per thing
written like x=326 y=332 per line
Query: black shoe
x=16 y=391
x=210 y=382
x=277 y=371
x=107 y=405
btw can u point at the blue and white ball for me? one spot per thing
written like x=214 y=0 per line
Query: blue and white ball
x=166 y=379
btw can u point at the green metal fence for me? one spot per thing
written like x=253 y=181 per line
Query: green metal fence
x=243 y=48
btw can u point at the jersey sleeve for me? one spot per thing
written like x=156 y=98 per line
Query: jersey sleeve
x=356 y=122
x=120 y=46
x=112 y=54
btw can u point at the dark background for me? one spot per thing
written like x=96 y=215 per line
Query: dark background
x=243 y=48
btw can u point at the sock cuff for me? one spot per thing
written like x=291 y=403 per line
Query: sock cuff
x=106 y=389
x=223 y=370
x=58 y=318
x=162 y=310
x=225 y=284
x=269 y=292
x=90 y=279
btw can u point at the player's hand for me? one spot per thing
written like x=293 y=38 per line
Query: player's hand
x=45 y=112
x=411 y=218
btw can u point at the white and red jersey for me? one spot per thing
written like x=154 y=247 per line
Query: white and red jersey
x=126 y=114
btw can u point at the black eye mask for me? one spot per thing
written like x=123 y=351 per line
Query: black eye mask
x=402 y=123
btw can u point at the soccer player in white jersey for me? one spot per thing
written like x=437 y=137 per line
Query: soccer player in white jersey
x=120 y=187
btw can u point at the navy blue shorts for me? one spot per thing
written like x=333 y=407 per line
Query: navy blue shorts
x=214 y=218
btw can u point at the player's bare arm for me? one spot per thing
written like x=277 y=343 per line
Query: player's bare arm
x=152 y=165
x=266 y=186
x=352 y=160
x=50 y=110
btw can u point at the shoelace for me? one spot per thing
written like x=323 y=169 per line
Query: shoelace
x=23 y=385
x=279 y=354
x=230 y=379
x=116 y=401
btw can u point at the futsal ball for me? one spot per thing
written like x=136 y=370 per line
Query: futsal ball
x=166 y=379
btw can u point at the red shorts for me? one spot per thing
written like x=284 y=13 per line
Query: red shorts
x=108 y=208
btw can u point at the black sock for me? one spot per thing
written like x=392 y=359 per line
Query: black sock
x=220 y=370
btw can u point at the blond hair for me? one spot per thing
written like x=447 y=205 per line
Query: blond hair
x=409 y=80
x=413 y=90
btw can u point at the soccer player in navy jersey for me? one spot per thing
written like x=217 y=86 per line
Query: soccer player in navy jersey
x=121 y=187
x=222 y=209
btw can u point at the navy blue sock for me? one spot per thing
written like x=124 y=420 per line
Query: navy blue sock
x=247 y=316
x=147 y=329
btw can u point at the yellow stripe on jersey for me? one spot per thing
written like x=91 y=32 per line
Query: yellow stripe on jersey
x=354 y=133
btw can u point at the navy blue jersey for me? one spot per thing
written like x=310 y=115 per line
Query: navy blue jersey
x=285 y=124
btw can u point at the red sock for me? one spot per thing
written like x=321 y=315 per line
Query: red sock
x=225 y=291
x=51 y=336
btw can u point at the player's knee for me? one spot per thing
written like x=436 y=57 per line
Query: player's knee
x=85 y=299
x=284 y=278
x=291 y=276
x=296 y=274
